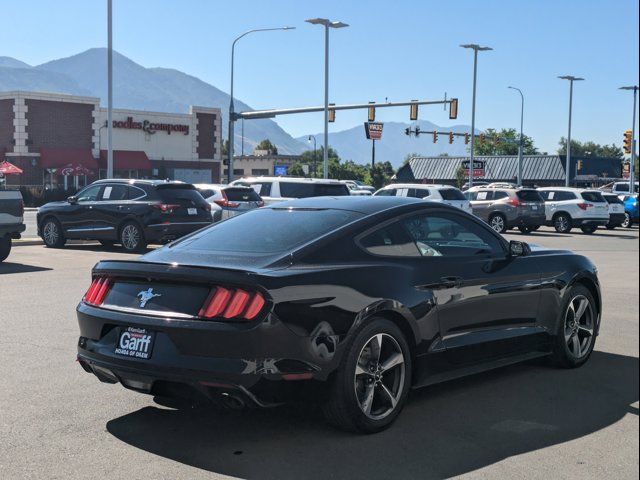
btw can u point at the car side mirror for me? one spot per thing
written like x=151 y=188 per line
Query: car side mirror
x=519 y=249
x=72 y=199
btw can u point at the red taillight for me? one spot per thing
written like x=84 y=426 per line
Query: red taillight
x=225 y=202
x=232 y=304
x=165 y=207
x=261 y=203
x=515 y=202
x=584 y=206
x=97 y=291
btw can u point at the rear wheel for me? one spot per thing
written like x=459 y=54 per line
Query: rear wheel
x=627 y=221
x=575 y=337
x=525 y=229
x=588 y=229
x=498 y=222
x=562 y=223
x=132 y=237
x=52 y=234
x=610 y=226
x=5 y=247
x=372 y=383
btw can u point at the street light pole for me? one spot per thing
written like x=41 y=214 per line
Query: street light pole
x=109 y=91
x=232 y=118
x=632 y=163
x=571 y=79
x=315 y=149
x=327 y=25
x=476 y=48
x=521 y=145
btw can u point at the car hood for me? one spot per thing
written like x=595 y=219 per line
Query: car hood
x=54 y=204
x=540 y=250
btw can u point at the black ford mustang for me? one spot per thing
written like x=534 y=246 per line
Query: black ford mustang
x=352 y=301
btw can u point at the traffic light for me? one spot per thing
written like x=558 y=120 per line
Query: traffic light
x=453 y=109
x=579 y=164
x=466 y=138
x=413 y=111
x=627 y=142
x=372 y=113
x=435 y=137
x=332 y=113
x=407 y=131
x=450 y=137
x=417 y=131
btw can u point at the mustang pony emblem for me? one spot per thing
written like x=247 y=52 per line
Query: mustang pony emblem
x=146 y=295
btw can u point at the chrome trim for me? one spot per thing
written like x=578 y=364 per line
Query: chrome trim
x=178 y=223
x=89 y=229
x=154 y=313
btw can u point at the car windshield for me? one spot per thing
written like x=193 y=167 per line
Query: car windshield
x=268 y=230
x=241 y=194
x=305 y=190
x=180 y=194
x=613 y=199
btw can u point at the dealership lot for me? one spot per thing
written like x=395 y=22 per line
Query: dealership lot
x=522 y=421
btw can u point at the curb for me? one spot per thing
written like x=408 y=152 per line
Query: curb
x=27 y=242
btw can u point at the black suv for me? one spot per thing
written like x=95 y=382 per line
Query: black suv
x=133 y=213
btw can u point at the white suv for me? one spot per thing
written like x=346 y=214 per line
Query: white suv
x=567 y=208
x=436 y=193
x=280 y=189
x=622 y=188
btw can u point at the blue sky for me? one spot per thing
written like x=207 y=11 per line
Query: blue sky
x=393 y=49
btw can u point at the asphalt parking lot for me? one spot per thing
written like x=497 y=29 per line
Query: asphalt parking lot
x=524 y=421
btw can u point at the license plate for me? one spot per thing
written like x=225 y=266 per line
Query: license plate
x=135 y=343
x=192 y=211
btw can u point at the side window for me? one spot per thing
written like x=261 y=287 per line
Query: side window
x=392 y=240
x=418 y=192
x=445 y=235
x=564 y=196
x=113 y=193
x=547 y=196
x=484 y=195
x=135 y=193
x=265 y=190
x=89 y=194
x=389 y=192
x=497 y=195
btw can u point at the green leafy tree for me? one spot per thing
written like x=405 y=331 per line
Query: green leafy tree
x=381 y=174
x=461 y=176
x=314 y=159
x=506 y=145
x=296 y=170
x=409 y=156
x=267 y=145
x=225 y=148
x=584 y=149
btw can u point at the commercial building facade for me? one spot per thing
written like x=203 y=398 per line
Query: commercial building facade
x=255 y=165
x=61 y=141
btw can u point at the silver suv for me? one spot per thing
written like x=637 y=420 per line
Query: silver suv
x=505 y=208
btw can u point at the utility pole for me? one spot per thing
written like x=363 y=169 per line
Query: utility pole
x=521 y=144
x=632 y=163
x=373 y=153
x=109 y=91
x=568 y=161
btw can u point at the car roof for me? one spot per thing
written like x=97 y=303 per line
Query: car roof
x=417 y=185
x=571 y=189
x=289 y=179
x=366 y=205
x=136 y=181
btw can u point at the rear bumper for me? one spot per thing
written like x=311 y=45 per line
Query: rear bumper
x=583 y=222
x=616 y=219
x=164 y=232
x=205 y=357
x=527 y=221
x=13 y=230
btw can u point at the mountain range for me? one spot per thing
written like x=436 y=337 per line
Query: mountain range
x=170 y=90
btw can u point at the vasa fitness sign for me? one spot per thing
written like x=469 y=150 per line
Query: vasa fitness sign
x=151 y=127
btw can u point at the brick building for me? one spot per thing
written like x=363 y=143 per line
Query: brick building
x=61 y=141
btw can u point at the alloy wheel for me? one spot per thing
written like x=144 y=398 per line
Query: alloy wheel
x=379 y=376
x=130 y=237
x=579 y=322
x=51 y=233
x=627 y=220
x=562 y=223
x=497 y=223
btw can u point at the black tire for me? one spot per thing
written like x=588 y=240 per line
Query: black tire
x=562 y=223
x=498 y=222
x=525 y=230
x=107 y=243
x=537 y=227
x=611 y=227
x=343 y=406
x=627 y=221
x=132 y=237
x=564 y=355
x=52 y=234
x=5 y=247
x=588 y=229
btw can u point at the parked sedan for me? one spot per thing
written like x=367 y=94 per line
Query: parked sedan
x=505 y=208
x=232 y=200
x=346 y=301
x=132 y=213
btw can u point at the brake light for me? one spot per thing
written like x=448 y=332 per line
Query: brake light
x=261 y=203
x=232 y=304
x=165 y=207
x=584 y=206
x=225 y=202
x=515 y=202
x=97 y=291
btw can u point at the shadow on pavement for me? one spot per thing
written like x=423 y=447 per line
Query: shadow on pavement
x=8 y=267
x=446 y=430
x=97 y=247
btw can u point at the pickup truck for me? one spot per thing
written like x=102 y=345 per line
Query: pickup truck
x=11 y=220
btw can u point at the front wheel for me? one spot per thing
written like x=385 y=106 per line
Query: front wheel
x=498 y=223
x=5 y=247
x=132 y=237
x=627 y=221
x=576 y=333
x=52 y=234
x=588 y=229
x=372 y=383
x=562 y=223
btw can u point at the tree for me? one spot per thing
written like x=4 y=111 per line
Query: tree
x=268 y=146
x=409 y=156
x=225 y=148
x=580 y=149
x=381 y=174
x=312 y=159
x=296 y=170
x=461 y=176
x=507 y=145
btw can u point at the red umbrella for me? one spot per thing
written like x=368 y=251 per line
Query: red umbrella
x=7 y=168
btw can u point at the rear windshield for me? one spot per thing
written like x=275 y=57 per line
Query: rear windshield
x=592 y=197
x=305 y=190
x=183 y=194
x=613 y=199
x=241 y=194
x=451 y=194
x=269 y=230
x=206 y=192
x=529 y=196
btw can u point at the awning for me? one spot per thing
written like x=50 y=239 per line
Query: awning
x=7 y=168
x=126 y=160
x=76 y=159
